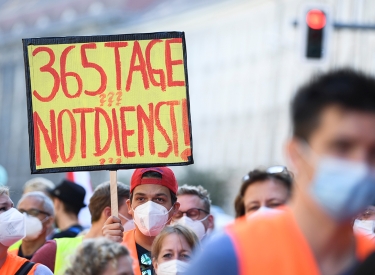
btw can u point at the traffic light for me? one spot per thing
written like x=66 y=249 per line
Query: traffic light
x=317 y=25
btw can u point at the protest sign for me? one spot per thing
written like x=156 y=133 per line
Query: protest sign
x=107 y=102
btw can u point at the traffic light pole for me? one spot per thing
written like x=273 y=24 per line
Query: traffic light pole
x=338 y=25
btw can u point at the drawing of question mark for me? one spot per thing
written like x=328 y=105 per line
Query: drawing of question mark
x=110 y=98
x=119 y=98
x=102 y=99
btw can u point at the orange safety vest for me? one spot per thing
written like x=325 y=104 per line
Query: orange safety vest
x=129 y=241
x=274 y=244
x=13 y=263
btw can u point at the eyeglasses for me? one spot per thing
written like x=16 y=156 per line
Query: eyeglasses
x=34 y=212
x=192 y=213
x=273 y=170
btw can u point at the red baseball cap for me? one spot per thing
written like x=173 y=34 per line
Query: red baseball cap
x=167 y=178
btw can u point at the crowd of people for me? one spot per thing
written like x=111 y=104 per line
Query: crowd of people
x=315 y=217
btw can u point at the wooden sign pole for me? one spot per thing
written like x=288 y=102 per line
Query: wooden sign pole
x=113 y=187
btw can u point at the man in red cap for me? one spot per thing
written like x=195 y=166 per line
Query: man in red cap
x=152 y=203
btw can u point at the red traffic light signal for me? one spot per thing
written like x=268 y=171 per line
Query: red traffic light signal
x=316 y=19
x=316 y=25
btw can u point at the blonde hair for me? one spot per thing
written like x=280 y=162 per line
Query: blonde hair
x=94 y=255
x=4 y=190
x=38 y=184
x=178 y=229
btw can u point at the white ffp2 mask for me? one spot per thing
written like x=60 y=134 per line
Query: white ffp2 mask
x=263 y=210
x=173 y=267
x=151 y=218
x=365 y=227
x=196 y=226
x=12 y=227
x=34 y=227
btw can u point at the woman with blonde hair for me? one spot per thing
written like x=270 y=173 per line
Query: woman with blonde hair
x=101 y=256
x=172 y=249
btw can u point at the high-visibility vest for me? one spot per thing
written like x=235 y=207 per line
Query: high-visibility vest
x=129 y=241
x=13 y=249
x=274 y=244
x=65 y=247
x=13 y=263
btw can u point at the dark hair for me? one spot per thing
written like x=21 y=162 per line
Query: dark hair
x=154 y=174
x=346 y=88
x=71 y=209
x=101 y=198
x=259 y=175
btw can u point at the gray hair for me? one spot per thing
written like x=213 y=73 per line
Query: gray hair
x=197 y=191
x=4 y=190
x=47 y=202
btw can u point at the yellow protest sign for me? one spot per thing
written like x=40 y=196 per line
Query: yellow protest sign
x=107 y=102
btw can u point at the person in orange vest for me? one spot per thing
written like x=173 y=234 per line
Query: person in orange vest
x=332 y=151
x=152 y=203
x=12 y=229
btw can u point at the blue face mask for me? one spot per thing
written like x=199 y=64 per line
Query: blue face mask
x=343 y=188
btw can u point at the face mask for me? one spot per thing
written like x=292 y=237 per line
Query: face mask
x=196 y=226
x=264 y=210
x=129 y=224
x=151 y=218
x=12 y=227
x=365 y=227
x=173 y=267
x=34 y=227
x=343 y=188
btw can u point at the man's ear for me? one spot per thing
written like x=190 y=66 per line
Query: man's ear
x=106 y=212
x=176 y=206
x=293 y=152
x=49 y=221
x=211 y=223
x=129 y=205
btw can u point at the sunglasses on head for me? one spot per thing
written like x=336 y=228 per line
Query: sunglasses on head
x=273 y=170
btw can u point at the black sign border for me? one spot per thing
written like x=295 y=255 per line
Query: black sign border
x=87 y=39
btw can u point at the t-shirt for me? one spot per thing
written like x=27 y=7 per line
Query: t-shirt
x=71 y=232
x=46 y=255
x=144 y=259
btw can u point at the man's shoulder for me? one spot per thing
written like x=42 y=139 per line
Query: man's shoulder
x=49 y=248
